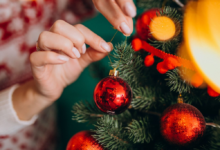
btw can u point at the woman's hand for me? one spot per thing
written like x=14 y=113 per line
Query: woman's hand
x=61 y=59
x=64 y=56
x=118 y=12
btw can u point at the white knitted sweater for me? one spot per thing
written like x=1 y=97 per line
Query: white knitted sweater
x=21 y=22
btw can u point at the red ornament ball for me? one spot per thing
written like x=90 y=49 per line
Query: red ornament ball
x=182 y=124
x=112 y=95
x=83 y=141
x=143 y=22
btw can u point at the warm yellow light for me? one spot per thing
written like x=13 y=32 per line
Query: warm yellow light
x=162 y=28
x=201 y=35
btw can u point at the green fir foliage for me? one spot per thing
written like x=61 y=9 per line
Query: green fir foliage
x=110 y=134
x=148 y=4
x=176 y=83
x=128 y=63
x=143 y=98
x=139 y=126
x=85 y=111
x=137 y=131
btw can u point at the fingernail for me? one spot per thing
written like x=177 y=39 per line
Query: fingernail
x=124 y=27
x=105 y=46
x=62 y=57
x=84 y=48
x=76 y=52
x=129 y=9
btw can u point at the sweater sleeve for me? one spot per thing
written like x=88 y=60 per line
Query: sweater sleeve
x=9 y=121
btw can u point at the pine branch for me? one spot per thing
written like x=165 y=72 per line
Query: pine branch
x=210 y=140
x=110 y=134
x=213 y=125
x=124 y=117
x=147 y=4
x=171 y=13
x=143 y=98
x=84 y=112
x=166 y=46
x=176 y=83
x=166 y=100
x=217 y=98
x=129 y=64
x=152 y=113
x=137 y=131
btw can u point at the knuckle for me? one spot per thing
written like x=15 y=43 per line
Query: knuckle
x=31 y=58
x=42 y=36
x=48 y=57
x=41 y=39
x=57 y=26
x=67 y=45
x=79 y=26
x=80 y=40
x=98 y=40
x=98 y=3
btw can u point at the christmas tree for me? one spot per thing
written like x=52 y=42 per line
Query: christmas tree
x=151 y=66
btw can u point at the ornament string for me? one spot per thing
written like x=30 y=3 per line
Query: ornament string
x=122 y=50
x=111 y=41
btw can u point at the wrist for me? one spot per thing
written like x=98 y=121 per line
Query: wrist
x=27 y=101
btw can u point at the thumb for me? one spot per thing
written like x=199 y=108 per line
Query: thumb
x=92 y=55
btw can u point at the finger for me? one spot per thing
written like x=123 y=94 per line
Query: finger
x=93 y=40
x=128 y=7
x=51 y=41
x=113 y=13
x=92 y=55
x=42 y=58
x=70 y=32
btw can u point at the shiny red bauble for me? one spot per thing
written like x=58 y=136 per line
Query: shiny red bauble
x=83 y=141
x=182 y=124
x=143 y=22
x=112 y=95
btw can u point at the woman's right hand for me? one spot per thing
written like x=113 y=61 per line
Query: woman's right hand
x=119 y=13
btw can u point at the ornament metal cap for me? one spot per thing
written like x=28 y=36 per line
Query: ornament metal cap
x=180 y=99
x=114 y=72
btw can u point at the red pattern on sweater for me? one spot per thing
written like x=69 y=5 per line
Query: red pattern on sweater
x=20 y=24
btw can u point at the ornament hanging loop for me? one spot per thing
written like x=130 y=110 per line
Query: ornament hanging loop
x=114 y=73
x=180 y=99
